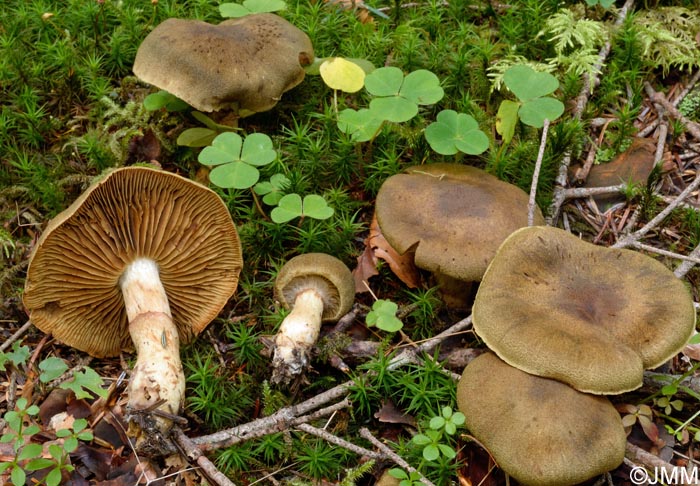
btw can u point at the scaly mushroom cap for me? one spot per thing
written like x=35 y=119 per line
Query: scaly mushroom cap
x=593 y=317
x=324 y=272
x=246 y=62
x=72 y=288
x=455 y=216
x=540 y=431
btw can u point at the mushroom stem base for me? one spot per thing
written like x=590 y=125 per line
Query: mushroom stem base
x=158 y=375
x=297 y=334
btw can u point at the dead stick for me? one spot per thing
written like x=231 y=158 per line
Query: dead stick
x=531 y=204
x=193 y=453
x=656 y=220
x=334 y=439
x=398 y=460
x=577 y=192
x=18 y=333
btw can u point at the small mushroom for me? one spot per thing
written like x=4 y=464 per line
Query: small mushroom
x=540 y=431
x=142 y=260
x=454 y=217
x=244 y=63
x=559 y=307
x=317 y=288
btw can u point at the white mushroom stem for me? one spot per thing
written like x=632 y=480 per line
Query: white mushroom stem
x=158 y=373
x=297 y=334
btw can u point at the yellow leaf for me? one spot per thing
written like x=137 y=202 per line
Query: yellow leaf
x=339 y=73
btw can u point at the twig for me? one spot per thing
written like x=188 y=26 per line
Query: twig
x=366 y=434
x=659 y=98
x=194 y=453
x=687 y=265
x=581 y=102
x=637 y=455
x=334 y=439
x=660 y=251
x=637 y=235
x=531 y=204
x=577 y=192
x=18 y=333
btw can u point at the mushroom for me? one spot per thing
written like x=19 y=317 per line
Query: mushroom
x=556 y=306
x=143 y=260
x=454 y=217
x=317 y=288
x=540 y=431
x=244 y=63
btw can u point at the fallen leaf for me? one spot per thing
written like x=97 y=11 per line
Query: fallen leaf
x=388 y=413
x=366 y=268
x=361 y=10
x=402 y=265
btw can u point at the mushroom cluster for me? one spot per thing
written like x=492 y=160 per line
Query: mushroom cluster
x=143 y=260
x=569 y=320
x=244 y=64
x=453 y=217
x=317 y=288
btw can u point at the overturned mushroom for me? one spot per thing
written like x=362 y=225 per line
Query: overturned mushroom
x=317 y=288
x=244 y=64
x=540 y=431
x=454 y=217
x=143 y=260
x=556 y=306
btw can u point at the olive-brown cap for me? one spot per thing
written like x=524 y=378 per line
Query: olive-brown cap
x=246 y=62
x=330 y=277
x=594 y=317
x=72 y=288
x=455 y=216
x=540 y=431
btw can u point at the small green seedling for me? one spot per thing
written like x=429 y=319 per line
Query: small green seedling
x=272 y=190
x=235 y=10
x=17 y=356
x=383 y=315
x=235 y=160
x=406 y=479
x=291 y=206
x=454 y=132
x=85 y=383
x=533 y=106
x=397 y=97
x=164 y=100
x=363 y=125
x=433 y=439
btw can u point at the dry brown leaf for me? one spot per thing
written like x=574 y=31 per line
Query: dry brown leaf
x=692 y=351
x=392 y=415
x=361 y=13
x=376 y=246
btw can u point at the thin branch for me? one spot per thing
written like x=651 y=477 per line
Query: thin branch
x=398 y=460
x=687 y=265
x=194 y=453
x=632 y=238
x=577 y=192
x=657 y=97
x=660 y=251
x=531 y=205
x=18 y=333
x=334 y=439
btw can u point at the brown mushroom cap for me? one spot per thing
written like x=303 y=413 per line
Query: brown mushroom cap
x=540 y=431
x=326 y=273
x=455 y=216
x=72 y=288
x=247 y=62
x=593 y=317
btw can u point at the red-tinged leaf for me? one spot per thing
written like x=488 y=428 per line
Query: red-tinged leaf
x=645 y=410
x=402 y=265
x=366 y=268
x=649 y=428
x=626 y=408
x=629 y=420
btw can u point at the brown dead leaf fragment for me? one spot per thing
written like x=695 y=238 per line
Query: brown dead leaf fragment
x=358 y=6
x=392 y=415
x=378 y=247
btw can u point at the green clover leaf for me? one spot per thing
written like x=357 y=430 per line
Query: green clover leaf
x=454 y=132
x=397 y=97
x=362 y=125
x=248 y=7
x=291 y=206
x=235 y=159
x=383 y=315
x=272 y=190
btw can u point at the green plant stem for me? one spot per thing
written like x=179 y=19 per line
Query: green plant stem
x=258 y=206
x=681 y=425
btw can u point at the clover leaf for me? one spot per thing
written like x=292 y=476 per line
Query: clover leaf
x=362 y=125
x=383 y=315
x=272 y=190
x=531 y=88
x=454 y=132
x=342 y=74
x=235 y=159
x=248 y=7
x=291 y=206
x=397 y=97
